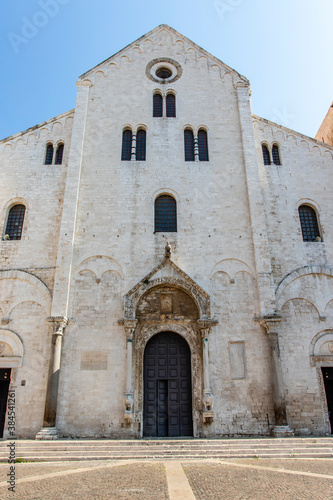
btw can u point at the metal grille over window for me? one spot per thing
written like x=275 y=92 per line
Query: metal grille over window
x=189 y=145
x=203 y=145
x=276 y=155
x=171 y=105
x=59 y=154
x=165 y=214
x=15 y=222
x=127 y=145
x=49 y=154
x=266 y=155
x=157 y=105
x=141 y=145
x=309 y=223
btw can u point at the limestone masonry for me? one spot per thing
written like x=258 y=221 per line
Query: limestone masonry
x=166 y=259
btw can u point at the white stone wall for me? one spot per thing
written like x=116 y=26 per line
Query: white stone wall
x=302 y=270
x=88 y=238
x=25 y=298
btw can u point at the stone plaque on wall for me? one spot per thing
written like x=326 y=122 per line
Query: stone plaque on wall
x=237 y=360
x=94 y=360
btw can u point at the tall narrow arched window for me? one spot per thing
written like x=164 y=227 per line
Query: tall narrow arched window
x=49 y=154
x=203 y=145
x=165 y=214
x=276 y=154
x=265 y=154
x=126 y=149
x=59 y=154
x=309 y=223
x=15 y=222
x=141 y=145
x=171 y=105
x=157 y=105
x=189 y=144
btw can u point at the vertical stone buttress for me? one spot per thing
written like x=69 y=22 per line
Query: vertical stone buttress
x=59 y=313
x=264 y=276
x=256 y=204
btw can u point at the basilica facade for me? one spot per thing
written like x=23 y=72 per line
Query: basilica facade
x=166 y=259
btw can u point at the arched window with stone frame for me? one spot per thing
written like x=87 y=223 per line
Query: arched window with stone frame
x=203 y=145
x=126 y=149
x=189 y=144
x=276 y=155
x=140 y=152
x=165 y=214
x=59 y=154
x=171 y=105
x=157 y=105
x=15 y=221
x=49 y=154
x=265 y=154
x=309 y=223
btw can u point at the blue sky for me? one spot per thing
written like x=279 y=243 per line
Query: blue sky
x=284 y=48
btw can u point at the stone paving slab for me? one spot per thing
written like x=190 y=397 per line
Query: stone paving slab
x=220 y=481
x=140 y=481
x=24 y=470
x=234 y=479
x=316 y=466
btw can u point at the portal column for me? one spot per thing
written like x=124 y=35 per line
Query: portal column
x=49 y=430
x=208 y=413
x=281 y=428
x=129 y=326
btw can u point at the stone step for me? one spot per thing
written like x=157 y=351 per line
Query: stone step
x=31 y=450
x=157 y=449
x=161 y=456
x=232 y=443
x=135 y=453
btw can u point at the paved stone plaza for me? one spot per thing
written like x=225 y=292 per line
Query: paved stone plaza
x=250 y=479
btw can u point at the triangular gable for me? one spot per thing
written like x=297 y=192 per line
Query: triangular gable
x=168 y=273
x=154 y=33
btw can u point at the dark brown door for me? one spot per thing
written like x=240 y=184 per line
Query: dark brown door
x=167 y=407
x=4 y=386
x=328 y=381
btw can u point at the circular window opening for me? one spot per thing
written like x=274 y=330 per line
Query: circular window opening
x=163 y=73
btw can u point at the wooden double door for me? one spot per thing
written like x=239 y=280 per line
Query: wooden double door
x=167 y=409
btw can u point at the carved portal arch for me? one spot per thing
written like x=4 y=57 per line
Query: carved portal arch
x=167 y=273
x=149 y=310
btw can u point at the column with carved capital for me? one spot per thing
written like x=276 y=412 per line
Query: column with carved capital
x=129 y=326
x=281 y=428
x=208 y=413
x=49 y=430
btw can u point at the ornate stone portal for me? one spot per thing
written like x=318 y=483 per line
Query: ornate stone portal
x=167 y=299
